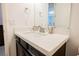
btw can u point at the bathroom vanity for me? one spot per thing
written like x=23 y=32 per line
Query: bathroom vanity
x=36 y=44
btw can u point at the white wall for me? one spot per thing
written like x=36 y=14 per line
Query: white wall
x=19 y=16
x=73 y=43
x=14 y=16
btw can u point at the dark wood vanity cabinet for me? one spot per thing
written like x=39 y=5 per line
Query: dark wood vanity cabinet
x=24 y=49
x=1 y=36
x=21 y=48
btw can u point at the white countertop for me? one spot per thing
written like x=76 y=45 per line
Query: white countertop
x=48 y=44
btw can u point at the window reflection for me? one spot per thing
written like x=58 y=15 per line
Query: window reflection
x=51 y=14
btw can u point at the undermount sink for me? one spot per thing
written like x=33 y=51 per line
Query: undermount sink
x=43 y=34
x=34 y=33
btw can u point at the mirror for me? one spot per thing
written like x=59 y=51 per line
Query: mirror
x=43 y=14
x=51 y=14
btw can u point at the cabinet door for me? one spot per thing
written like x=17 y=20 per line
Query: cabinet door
x=24 y=44
x=61 y=51
x=35 y=52
x=19 y=49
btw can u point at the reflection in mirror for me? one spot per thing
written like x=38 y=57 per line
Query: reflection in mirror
x=51 y=17
x=51 y=13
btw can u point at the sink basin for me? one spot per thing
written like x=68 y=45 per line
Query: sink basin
x=42 y=34
x=38 y=34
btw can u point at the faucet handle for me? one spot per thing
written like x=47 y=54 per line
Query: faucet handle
x=35 y=28
x=38 y=28
x=41 y=29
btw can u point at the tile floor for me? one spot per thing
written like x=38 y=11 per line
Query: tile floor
x=2 y=53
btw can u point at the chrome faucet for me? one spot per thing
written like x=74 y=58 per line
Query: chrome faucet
x=38 y=28
x=41 y=29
